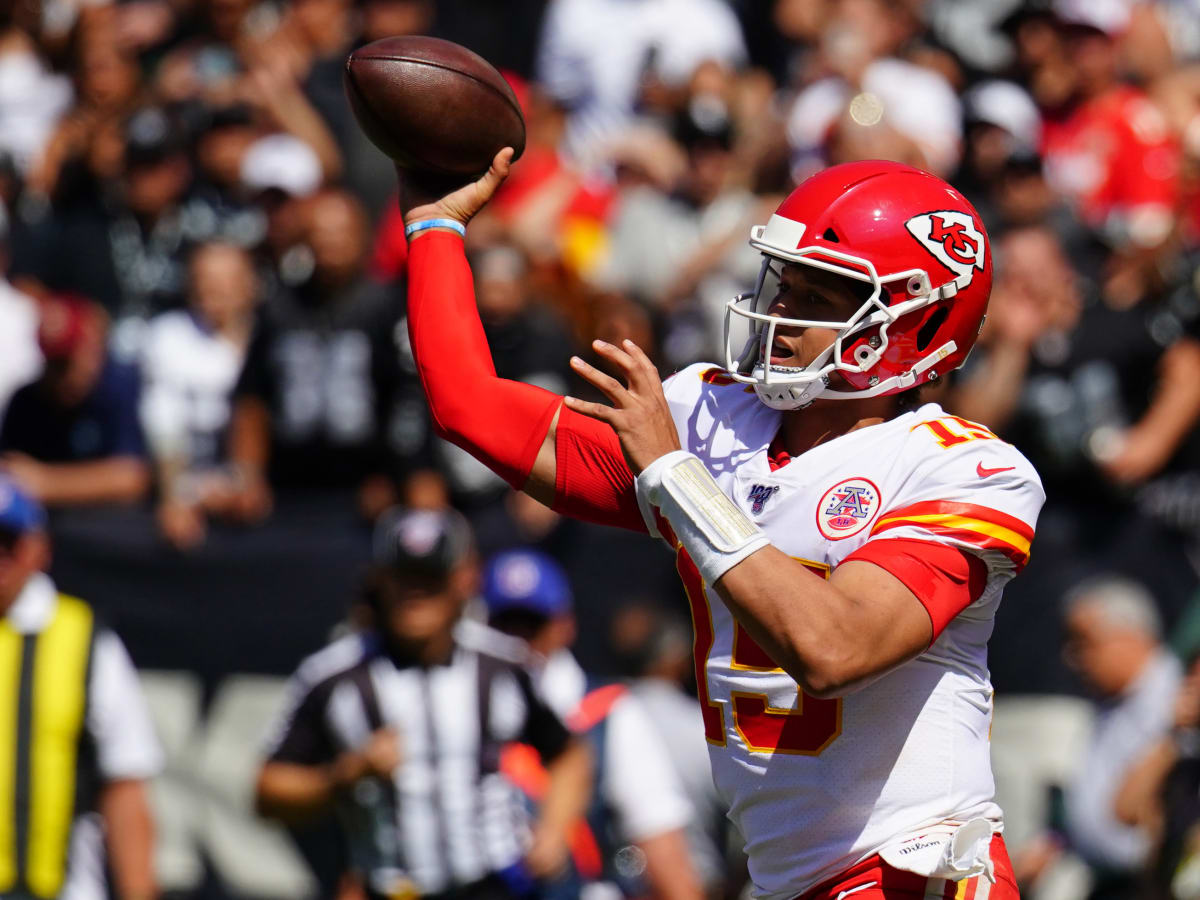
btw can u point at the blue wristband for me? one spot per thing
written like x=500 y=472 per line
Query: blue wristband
x=418 y=227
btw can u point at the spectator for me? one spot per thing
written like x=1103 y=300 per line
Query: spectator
x=1002 y=123
x=217 y=194
x=72 y=437
x=322 y=393
x=1109 y=149
x=401 y=727
x=637 y=801
x=1114 y=642
x=78 y=765
x=190 y=365
x=595 y=56
x=1099 y=404
x=80 y=149
x=868 y=82
x=129 y=255
x=683 y=253
x=658 y=649
x=32 y=98
x=1160 y=792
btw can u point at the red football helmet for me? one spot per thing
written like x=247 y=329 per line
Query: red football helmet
x=913 y=238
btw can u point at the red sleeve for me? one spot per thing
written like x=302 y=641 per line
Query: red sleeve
x=593 y=481
x=945 y=579
x=503 y=423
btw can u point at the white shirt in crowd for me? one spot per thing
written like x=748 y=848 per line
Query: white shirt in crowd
x=20 y=359
x=1124 y=730
x=677 y=723
x=117 y=721
x=594 y=53
x=638 y=782
x=188 y=374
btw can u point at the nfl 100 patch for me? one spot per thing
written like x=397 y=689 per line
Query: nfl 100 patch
x=759 y=495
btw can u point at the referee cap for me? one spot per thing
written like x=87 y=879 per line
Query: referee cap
x=526 y=580
x=19 y=512
x=421 y=541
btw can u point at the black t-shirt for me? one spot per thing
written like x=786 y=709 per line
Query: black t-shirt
x=533 y=347
x=331 y=372
x=1082 y=391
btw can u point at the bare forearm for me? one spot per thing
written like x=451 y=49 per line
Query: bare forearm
x=130 y=835
x=831 y=637
x=250 y=434
x=570 y=788
x=295 y=793
x=296 y=115
x=1176 y=405
x=119 y=480
x=669 y=871
x=1138 y=798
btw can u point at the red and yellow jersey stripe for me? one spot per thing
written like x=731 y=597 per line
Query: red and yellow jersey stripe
x=979 y=526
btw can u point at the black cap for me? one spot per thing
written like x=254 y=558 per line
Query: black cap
x=152 y=135
x=430 y=542
x=1025 y=11
x=704 y=123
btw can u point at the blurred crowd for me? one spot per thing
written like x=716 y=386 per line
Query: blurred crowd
x=202 y=317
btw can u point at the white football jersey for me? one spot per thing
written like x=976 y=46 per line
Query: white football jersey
x=816 y=785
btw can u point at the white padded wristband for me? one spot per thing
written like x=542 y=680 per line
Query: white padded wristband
x=716 y=534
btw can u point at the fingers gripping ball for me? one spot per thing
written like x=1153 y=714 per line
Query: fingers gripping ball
x=438 y=110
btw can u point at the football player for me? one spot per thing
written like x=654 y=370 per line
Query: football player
x=843 y=545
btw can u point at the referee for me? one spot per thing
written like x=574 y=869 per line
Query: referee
x=399 y=728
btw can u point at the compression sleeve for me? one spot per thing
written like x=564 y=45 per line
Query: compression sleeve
x=592 y=479
x=503 y=423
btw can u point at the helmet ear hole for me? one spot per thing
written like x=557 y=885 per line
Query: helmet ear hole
x=930 y=328
x=830 y=236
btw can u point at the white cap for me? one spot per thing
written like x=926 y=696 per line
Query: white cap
x=284 y=162
x=1109 y=16
x=1008 y=106
x=917 y=102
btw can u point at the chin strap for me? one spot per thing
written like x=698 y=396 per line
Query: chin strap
x=783 y=396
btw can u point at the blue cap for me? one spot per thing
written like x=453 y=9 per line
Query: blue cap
x=19 y=512
x=526 y=580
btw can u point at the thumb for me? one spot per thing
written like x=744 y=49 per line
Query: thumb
x=497 y=171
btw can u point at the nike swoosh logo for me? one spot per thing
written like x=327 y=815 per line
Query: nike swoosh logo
x=984 y=473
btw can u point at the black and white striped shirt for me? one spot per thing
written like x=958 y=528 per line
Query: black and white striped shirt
x=447 y=817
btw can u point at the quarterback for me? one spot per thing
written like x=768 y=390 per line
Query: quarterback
x=843 y=545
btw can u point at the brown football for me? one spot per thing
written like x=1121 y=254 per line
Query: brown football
x=433 y=106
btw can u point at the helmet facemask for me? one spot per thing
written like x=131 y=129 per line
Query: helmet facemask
x=860 y=341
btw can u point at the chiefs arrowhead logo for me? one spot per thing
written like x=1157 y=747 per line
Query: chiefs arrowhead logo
x=953 y=239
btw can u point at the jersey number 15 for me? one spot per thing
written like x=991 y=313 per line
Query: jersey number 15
x=805 y=730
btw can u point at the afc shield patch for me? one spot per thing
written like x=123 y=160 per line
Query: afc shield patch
x=954 y=241
x=847 y=508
